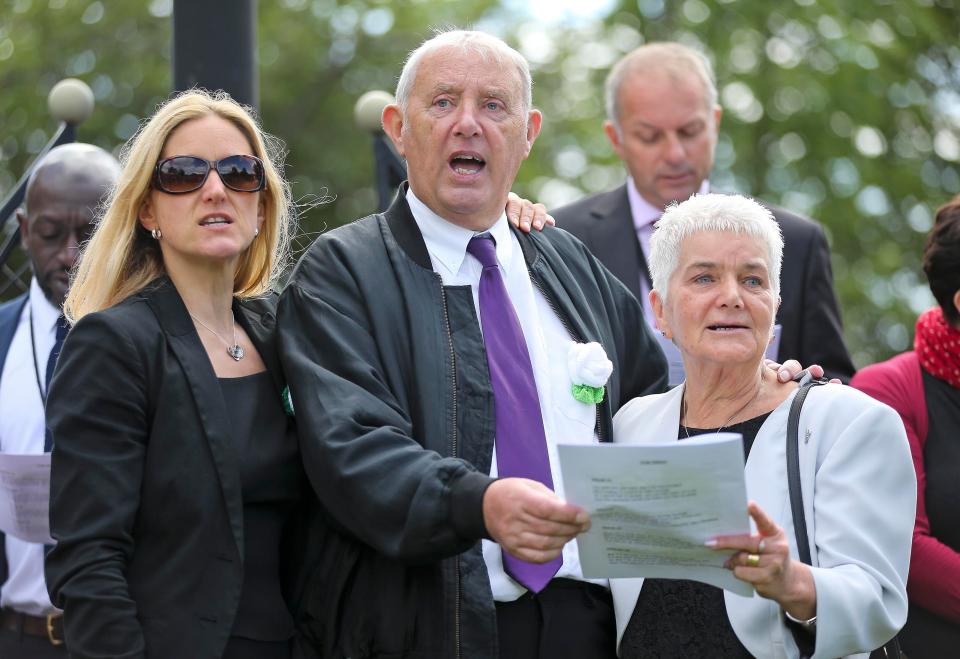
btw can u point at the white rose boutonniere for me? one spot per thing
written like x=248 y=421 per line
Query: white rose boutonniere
x=589 y=371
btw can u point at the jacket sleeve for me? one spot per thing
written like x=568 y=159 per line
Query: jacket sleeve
x=934 y=580
x=863 y=508
x=97 y=411
x=821 y=333
x=356 y=438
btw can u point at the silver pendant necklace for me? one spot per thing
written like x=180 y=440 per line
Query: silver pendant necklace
x=683 y=409
x=235 y=350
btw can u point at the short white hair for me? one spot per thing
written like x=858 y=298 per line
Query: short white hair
x=487 y=46
x=712 y=212
x=677 y=60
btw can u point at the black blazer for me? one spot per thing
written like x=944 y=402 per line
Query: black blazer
x=812 y=332
x=145 y=493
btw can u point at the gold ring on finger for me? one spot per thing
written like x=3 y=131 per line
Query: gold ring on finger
x=753 y=560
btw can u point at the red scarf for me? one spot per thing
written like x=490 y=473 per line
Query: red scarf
x=937 y=345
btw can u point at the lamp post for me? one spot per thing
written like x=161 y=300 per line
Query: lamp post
x=389 y=168
x=215 y=47
x=70 y=102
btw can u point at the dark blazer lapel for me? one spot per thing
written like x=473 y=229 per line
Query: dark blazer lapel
x=560 y=287
x=614 y=240
x=186 y=346
x=564 y=292
x=405 y=230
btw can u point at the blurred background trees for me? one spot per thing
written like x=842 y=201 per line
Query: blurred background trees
x=846 y=111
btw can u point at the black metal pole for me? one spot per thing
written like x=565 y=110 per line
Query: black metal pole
x=390 y=170
x=215 y=47
x=70 y=102
x=66 y=134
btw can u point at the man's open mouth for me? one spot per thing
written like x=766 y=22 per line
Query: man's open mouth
x=466 y=164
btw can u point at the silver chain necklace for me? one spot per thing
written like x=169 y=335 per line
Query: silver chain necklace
x=235 y=350
x=683 y=406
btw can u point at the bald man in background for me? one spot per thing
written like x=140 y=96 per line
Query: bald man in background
x=663 y=120
x=61 y=200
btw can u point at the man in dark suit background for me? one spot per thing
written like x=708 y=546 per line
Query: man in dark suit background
x=61 y=200
x=663 y=121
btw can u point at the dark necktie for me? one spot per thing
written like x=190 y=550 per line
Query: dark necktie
x=61 y=334
x=520 y=439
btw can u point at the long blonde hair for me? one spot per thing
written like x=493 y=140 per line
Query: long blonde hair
x=121 y=257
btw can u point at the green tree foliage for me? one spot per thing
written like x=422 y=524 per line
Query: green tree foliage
x=846 y=111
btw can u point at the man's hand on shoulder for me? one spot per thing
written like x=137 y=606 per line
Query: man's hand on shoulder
x=529 y=520
x=524 y=214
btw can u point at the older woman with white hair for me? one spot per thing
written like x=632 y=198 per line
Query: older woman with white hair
x=715 y=264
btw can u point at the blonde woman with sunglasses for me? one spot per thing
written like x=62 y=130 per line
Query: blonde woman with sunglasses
x=176 y=479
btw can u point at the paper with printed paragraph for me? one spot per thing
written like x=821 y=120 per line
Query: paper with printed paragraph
x=25 y=497
x=653 y=506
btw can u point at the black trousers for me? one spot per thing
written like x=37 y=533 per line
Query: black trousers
x=16 y=645
x=566 y=619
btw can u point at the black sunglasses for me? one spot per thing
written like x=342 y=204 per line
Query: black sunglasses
x=182 y=174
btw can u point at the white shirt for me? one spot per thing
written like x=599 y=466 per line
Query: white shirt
x=565 y=419
x=22 y=430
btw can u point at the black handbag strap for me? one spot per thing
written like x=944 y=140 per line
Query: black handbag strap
x=890 y=649
x=793 y=470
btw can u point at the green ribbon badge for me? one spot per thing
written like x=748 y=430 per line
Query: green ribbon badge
x=287 y=401
x=587 y=394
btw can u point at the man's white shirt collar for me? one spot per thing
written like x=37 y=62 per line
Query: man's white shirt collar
x=45 y=315
x=447 y=242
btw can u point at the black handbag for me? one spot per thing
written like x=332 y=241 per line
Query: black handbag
x=890 y=649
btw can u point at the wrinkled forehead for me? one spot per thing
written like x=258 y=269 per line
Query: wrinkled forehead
x=723 y=247
x=661 y=97
x=458 y=68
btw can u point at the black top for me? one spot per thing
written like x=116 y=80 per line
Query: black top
x=683 y=618
x=941 y=459
x=927 y=634
x=270 y=480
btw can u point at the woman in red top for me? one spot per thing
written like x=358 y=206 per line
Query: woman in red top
x=924 y=387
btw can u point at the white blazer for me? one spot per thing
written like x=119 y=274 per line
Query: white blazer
x=855 y=460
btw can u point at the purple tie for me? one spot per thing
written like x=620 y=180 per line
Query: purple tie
x=521 y=441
